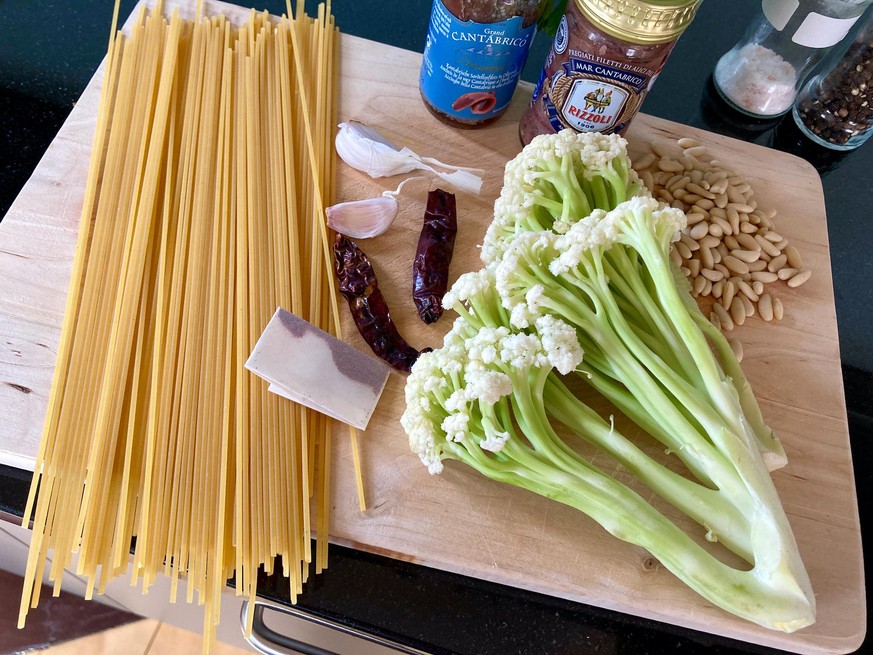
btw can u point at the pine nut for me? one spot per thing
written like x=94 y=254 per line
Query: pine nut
x=707 y=287
x=716 y=255
x=747 y=256
x=748 y=242
x=665 y=196
x=735 y=265
x=747 y=228
x=734 y=196
x=727 y=323
x=711 y=275
x=698 y=231
x=694 y=218
x=757 y=266
x=695 y=151
x=713 y=318
x=721 y=268
x=690 y=163
x=723 y=224
x=778 y=309
x=794 y=259
x=720 y=188
x=737 y=347
x=697 y=286
x=721 y=200
x=731 y=242
x=670 y=166
x=648 y=181
x=765 y=307
x=715 y=230
x=700 y=191
x=684 y=251
x=708 y=241
x=663 y=148
x=787 y=273
x=775 y=237
x=767 y=247
x=692 y=245
x=687 y=142
x=675 y=257
x=777 y=263
x=717 y=288
x=744 y=287
x=685 y=271
x=727 y=295
x=706 y=257
x=645 y=161
x=704 y=203
x=764 y=276
x=757 y=286
x=802 y=276
x=676 y=182
x=747 y=305
x=735 y=223
x=738 y=311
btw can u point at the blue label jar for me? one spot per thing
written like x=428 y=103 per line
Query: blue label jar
x=470 y=70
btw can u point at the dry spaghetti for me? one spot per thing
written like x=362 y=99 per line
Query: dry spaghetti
x=212 y=163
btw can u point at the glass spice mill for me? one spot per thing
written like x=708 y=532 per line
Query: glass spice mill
x=761 y=75
x=834 y=107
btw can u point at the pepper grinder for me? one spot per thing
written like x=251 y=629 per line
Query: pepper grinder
x=761 y=75
x=834 y=107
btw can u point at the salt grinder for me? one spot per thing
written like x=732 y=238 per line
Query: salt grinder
x=761 y=75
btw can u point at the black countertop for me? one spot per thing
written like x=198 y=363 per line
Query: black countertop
x=48 y=52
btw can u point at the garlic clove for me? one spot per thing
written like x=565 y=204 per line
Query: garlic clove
x=362 y=219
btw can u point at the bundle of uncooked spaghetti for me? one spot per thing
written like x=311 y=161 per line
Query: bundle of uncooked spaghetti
x=211 y=165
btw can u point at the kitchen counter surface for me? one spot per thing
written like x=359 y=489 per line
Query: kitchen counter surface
x=49 y=51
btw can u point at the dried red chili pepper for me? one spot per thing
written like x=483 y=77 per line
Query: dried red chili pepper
x=358 y=285
x=430 y=269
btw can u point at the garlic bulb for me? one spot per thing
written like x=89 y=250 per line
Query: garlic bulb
x=361 y=219
x=364 y=149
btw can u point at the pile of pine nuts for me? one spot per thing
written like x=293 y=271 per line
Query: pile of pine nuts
x=730 y=250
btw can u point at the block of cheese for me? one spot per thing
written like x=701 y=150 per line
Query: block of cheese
x=311 y=367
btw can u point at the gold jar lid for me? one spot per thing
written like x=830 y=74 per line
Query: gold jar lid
x=640 y=21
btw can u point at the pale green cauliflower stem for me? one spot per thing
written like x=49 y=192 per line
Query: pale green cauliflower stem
x=559 y=281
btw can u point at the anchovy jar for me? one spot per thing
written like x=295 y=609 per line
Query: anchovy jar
x=604 y=59
x=473 y=57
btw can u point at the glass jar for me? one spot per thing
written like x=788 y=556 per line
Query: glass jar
x=473 y=57
x=761 y=75
x=834 y=107
x=603 y=61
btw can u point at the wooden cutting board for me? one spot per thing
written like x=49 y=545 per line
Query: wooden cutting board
x=459 y=521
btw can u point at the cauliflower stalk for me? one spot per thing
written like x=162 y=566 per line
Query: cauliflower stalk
x=589 y=298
